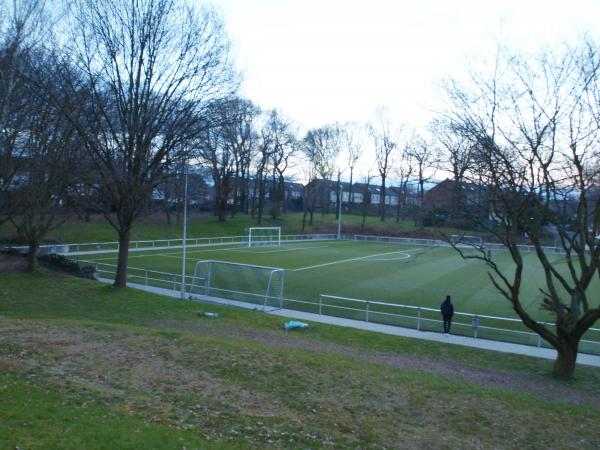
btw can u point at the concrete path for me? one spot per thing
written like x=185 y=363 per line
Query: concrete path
x=505 y=347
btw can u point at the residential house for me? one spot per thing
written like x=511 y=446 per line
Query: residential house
x=359 y=190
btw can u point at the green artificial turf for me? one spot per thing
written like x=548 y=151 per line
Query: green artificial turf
x=392 y=273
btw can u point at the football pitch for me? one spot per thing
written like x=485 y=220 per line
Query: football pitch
x=379 y=272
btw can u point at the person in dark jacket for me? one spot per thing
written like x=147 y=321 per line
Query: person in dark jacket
x=447 y=309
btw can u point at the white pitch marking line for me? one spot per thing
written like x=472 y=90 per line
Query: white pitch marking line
x=172 y=254
x=402 y=257
x=346 y=260
x=295 y=248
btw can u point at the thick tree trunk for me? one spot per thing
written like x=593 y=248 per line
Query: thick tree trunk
x=382 y=200
x=564 y=366
x=168 y=213
x=222 y=210
x=121 y=275
x=32 y=255
x=304 y=220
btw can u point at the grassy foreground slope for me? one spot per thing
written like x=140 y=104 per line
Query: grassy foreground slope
x=85 y=366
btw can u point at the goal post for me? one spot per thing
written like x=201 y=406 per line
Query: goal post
x=467 y=241
x=264 y=236
x=248 y=283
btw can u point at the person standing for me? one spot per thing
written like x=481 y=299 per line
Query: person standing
x=447 y=309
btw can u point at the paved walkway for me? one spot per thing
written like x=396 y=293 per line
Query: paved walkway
x=505 y=347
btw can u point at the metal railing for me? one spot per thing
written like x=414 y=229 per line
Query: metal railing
x=441 y=243
x=194 y=285
x=478 y=326
x=160 y=244
x=143 y=276
x=429 y=319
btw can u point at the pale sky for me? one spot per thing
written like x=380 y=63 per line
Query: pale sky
x=321 y=61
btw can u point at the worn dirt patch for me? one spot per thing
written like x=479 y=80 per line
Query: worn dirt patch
x=119 y=363
x=225 y=390
x=505 y=381
x=12 y=263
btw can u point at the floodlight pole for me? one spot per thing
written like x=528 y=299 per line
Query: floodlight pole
x=185 y=193
x=340 y=194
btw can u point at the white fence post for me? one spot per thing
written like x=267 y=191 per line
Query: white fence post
x=475 y=325
x=418 y=319
x=367 y=316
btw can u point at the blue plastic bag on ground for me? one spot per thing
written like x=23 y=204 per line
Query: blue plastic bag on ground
x=210 y=315
x=293 y=324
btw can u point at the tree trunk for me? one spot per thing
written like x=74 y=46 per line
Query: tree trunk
x=564 y=366
x=168 y=212
x=32 y=255
x=350 y=200
x=304 y=219
x=382 y=200
x=121 y=275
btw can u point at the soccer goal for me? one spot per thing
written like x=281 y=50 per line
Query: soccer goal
x=264 y=236
x=464 y=240
x=242 y=282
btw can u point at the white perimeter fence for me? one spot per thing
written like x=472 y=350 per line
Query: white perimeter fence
x=162 y=244
x=419 y=318
x=440 y=243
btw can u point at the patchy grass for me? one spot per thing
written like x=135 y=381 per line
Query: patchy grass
x=85 y=366
x=66 y=298
x=206 y=225
x=38 y=415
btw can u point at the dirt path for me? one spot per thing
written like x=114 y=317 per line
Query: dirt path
x=504 y=381
x=78 y=341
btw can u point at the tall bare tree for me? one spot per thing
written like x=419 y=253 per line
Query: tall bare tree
x=310 y=192
x=241 y=136
x=321 y=147
x=404 y=170
x=352 y=144
x=385 y=141
x=211 y=150
x=21 y=28
x=285 y=145
x=537 y=138
x=149 y=69
x=457 y=151
x=425 y=158
x=366 y=199
x=49 y=180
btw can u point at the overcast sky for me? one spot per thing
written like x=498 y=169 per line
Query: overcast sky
x=321 y=61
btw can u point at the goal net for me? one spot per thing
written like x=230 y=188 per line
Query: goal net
x=264 y=236
x=467 y=241
x=242 y=282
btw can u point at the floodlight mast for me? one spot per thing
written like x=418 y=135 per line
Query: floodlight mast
x=340 y=194
x=185 y=193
